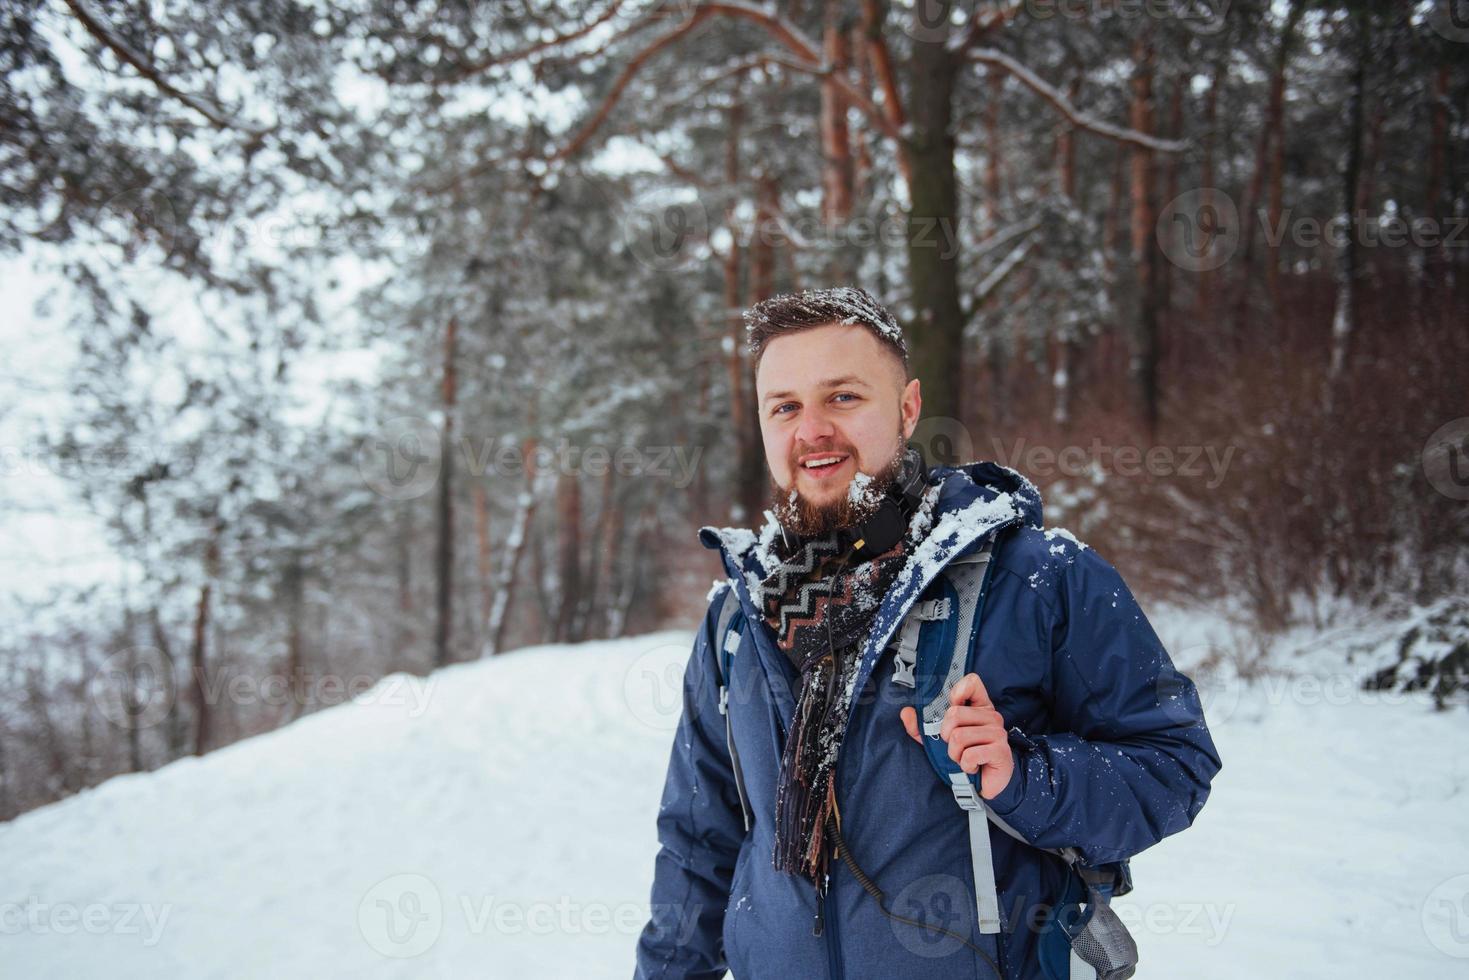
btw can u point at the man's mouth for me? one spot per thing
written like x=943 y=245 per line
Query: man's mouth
x=820 y=464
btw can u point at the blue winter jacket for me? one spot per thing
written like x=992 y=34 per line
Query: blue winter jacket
x=1112 y=755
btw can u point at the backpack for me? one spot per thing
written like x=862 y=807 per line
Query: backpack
x=950 y=609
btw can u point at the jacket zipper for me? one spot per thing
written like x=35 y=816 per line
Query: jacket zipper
x=825 y=905
x=833 y=941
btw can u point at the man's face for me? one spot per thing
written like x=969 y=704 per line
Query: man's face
x=832 y=393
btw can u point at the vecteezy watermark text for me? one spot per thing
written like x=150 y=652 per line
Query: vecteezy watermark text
x=1128 y=461
x=403 y=458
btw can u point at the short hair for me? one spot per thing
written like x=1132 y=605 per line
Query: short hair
x=793 y=312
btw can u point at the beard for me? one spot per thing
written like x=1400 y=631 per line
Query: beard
x=803 y=517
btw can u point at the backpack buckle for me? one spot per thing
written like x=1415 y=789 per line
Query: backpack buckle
x=905 y=655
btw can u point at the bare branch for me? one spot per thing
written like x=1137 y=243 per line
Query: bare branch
x=624 y=78
x=787 y=34
x=1063 y=105
x=494 y=61
x=882 y=66
x=735 y=69
x=102 y=33
x=683 y=173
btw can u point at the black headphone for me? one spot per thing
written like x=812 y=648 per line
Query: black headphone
x=885 y=527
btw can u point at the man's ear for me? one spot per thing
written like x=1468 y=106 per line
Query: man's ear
x=912 y=406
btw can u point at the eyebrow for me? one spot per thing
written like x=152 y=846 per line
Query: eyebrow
x=845 y=380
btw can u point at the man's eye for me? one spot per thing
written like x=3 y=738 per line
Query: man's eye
x=777 y=409
x=844 y=394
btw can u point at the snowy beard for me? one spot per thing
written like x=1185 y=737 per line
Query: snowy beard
x=803 y=518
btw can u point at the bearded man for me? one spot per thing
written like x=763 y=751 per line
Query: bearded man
x=803 y=830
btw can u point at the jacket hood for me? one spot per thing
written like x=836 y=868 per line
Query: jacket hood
x=982 y=490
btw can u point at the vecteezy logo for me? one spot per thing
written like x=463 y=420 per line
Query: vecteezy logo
x=1199 y=230
x=666 y=232
x=137 y=220
x=1446 y=459
x=401 y=916
x=133 y=688
x=940 y=914
x=401 y=460
x=945 y=441
x=1445 y=916
x=931 y=20
x=1215 y=692
x=1203 y=16
x=652 y=688
x=1450 y=20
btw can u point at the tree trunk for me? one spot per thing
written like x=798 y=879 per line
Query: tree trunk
x=514 y=546
x=444 y=557
x=406 y=637
x=937 y=330
x=1270 y=138
x=482 y=549
x=203 y=717
x=751 y=480
x=568 y=555
x=735 y=359
x=1144 y=250
x=836 y=145
x=1205 y=311
x=1344 y=317
x=295 y=592
x=598 y=574
x=1064 y=341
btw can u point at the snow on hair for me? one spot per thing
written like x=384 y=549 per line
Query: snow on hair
x=817 y=307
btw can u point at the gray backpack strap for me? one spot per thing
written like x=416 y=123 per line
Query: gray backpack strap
x=966 y=575
x=728 y=642
x=728 y=606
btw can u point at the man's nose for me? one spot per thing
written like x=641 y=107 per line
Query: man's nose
x=815 y=427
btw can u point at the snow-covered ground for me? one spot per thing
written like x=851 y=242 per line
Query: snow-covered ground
x=497 y=820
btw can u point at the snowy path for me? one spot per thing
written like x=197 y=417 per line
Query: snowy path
x=496 y=821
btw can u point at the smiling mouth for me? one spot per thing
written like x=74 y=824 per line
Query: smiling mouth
x=820 y=463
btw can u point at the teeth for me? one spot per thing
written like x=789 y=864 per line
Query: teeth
x=823 y=463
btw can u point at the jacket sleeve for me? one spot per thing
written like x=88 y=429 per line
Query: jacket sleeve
x=700 y=830
x=1130 y=759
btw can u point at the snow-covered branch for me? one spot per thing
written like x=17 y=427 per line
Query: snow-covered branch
x=99 y=30
x=1058 y=99
x=520 y=54
x=997 y=275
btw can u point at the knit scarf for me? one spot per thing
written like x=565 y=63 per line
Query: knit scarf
x=820 y=607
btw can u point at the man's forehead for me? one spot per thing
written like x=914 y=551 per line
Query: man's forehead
x=820 y=357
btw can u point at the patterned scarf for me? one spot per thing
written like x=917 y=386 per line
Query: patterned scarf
x=820 y=607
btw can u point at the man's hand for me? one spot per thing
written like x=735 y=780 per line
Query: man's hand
x=976 y=735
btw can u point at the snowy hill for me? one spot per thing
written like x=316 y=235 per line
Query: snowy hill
x=497 y=820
